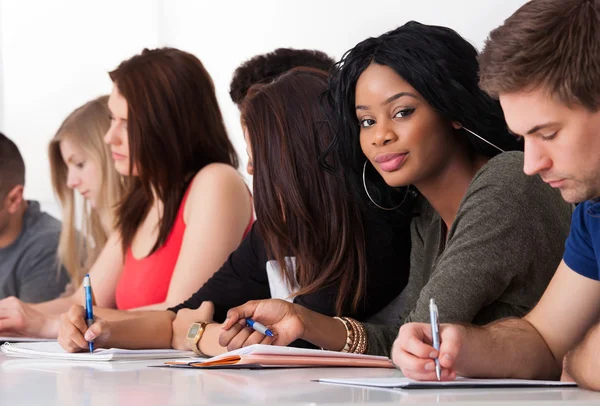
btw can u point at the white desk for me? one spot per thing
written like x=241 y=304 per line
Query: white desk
x=32 y=382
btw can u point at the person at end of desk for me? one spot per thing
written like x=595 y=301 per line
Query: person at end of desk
x=554 y=104
x=29 y=240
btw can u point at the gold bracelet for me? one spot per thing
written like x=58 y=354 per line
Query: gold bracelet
x=355 y=332
x=349 y=335
x=356 y=337
x=363 y=334
x=360 y=336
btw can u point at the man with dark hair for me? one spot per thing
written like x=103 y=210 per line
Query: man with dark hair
x=543 y=64
x=265 y=68
x=28 y=237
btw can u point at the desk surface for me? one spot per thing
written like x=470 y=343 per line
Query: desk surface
x=33 y=382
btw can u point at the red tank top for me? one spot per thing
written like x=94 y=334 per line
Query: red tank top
x=146 y=281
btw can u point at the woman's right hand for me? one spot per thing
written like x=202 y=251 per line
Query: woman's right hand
x=74 y=334
x=282 y=318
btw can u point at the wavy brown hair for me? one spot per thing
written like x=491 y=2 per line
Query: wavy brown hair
x=304 y=211
x=175 y=128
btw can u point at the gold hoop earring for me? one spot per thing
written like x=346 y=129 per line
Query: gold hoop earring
x=364 y=178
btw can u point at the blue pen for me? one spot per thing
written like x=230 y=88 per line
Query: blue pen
x=435 y=333
x=259 y=327
x=89 y=312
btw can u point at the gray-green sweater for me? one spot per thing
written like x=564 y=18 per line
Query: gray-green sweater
x=501 y=252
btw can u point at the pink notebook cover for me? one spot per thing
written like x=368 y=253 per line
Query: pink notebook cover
x=272 y=356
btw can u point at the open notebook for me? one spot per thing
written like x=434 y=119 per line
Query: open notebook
x=460 y=382
x=270 y=356
x=52 y=350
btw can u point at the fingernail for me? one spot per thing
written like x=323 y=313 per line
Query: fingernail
x=89 y=335
x=432 y=354
x=226 y=321
x=447 y=357
x=430 y=366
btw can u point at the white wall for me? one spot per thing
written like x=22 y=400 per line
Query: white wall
x=56 y=54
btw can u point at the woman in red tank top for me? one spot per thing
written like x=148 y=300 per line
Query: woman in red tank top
x=150 y=277
x=187 y=207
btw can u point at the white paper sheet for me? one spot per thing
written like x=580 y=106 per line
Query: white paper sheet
x=52 y=350
x=460 y=382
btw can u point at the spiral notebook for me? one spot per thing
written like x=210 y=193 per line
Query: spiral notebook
x=270 y=356
x=52 y=350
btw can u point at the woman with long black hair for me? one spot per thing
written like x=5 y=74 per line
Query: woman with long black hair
x=486 y=238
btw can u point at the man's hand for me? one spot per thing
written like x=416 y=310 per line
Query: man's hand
x=414 y=354
x=18 y=318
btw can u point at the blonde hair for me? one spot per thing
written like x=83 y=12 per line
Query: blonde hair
x=85 y=127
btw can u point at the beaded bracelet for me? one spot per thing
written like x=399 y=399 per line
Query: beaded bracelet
x=349 y=334
x=359 y=344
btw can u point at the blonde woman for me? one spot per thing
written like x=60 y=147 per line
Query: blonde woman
x=81 y=162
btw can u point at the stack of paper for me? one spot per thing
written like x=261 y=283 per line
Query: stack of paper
x=52 y=350
x=460 y=382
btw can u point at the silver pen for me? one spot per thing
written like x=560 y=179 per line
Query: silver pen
x=435 y=334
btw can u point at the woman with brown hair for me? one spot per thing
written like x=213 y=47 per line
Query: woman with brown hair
x=313 y=243
x=187 y=208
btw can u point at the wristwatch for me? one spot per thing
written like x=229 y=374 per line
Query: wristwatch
x=194 y=335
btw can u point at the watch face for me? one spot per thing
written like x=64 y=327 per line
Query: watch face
x=193 y=330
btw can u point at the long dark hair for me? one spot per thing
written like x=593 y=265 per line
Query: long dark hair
x=441 y=65
x=175 y=128
x=303 y=210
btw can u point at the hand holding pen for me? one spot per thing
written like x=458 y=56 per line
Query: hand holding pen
x=430 y=351
x=79 y=329
x=274 y=316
